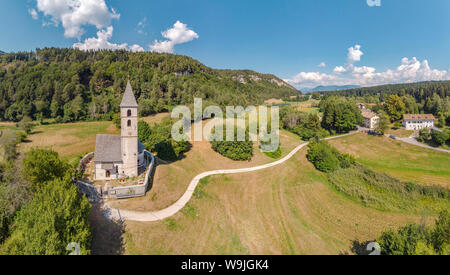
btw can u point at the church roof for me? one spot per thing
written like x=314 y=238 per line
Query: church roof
x=128 y=98
x=108 y=148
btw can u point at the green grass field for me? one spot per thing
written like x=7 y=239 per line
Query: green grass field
x=72 y=140
x=287 y=209
x=403 y=161
x=309 y=106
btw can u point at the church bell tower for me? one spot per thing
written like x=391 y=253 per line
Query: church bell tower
x=129 y=135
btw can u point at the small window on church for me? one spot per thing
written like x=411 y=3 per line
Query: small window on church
x=129 y=123
x=129 y=113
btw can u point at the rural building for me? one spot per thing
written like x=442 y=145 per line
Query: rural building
x=418 y=121
x=370 y=119
x=364 y=106
x=121 y=156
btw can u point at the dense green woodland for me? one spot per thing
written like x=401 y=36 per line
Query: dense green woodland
x=71 y=85
x=431 y=97
x=420 y=90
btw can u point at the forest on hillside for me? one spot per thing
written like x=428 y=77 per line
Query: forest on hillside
x=71 y=85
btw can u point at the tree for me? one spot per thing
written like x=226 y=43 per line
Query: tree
x=340 y=115
x=438 y=137
x=144 y=131
x=424 y=135
x=117 y=120
x=414 y=239
x=26 y=124
x=383 y=123
x=42 y=165
x=57 y=215
x=395 y=107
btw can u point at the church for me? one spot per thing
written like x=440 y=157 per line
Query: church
x=121 y=156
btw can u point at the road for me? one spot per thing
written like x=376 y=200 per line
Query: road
x=118 y=214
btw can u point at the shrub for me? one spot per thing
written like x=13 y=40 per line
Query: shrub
x=235 y=150
x=424 y=135
x=157 y=139
x=26 y=124
x=381 y=191
x=327 y=159
x=414 y=239
x=440 y=138
x=42 y=165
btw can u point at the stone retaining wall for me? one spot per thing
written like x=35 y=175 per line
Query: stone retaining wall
x=96 y=193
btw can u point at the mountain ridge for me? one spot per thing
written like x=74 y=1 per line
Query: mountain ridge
x=329 y=88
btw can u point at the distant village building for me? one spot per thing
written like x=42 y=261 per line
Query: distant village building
x=121 y=156
x=371 y=119
x=365 y=105
x=418 y=121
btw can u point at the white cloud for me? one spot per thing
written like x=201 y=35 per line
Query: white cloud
x=374 y=3
x=33 y=14
x=102 y=42
x=178 y=34
x=74 y=14
x=339 y=70
x=354 y=54
x=409 y=70
x=322 y=65
x=141 y=26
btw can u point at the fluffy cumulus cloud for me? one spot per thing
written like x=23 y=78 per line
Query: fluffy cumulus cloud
x=322 y=65
x=102 y=42
x=75 y=14
x=178 y=34
x=409 y=70
x=354 y=54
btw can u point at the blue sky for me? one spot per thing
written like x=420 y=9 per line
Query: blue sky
x=397 y=41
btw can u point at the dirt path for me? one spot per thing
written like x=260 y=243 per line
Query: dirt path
x=122 y=215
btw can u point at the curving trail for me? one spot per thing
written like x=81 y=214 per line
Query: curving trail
x=118 y=214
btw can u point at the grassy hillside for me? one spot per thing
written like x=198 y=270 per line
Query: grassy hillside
x=72 y=140
x=288 y=209
x=72 y=85
x=403 y=161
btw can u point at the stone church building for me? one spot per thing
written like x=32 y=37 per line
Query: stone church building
x=121 y=156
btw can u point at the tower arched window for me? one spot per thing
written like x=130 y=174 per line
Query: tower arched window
x=129 y=113
x=129 y=123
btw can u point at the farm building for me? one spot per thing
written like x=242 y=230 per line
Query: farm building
x=370 y=119
x=418 y=121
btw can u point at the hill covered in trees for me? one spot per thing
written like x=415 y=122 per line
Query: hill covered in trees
x=71 y=85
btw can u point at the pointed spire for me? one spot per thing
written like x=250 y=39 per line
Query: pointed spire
x=128 y=98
